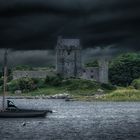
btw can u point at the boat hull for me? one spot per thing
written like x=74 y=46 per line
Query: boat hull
x=23 y=114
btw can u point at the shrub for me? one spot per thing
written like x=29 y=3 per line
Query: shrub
x=53 y=80
x=136 y=83
x=73 y=84
x=23 y=67
x=13 y=85
x=24 y=84
x=108 y=86
x=40 y=83
x=92 y=64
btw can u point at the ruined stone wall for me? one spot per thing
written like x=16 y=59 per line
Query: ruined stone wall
x=32 y=74
x=90 y=73
x=103 y=71
x=68 y=62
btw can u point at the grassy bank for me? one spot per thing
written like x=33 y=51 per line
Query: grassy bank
x=51 y=86
x=124 y=94
x=79 y=89
x=56 y=90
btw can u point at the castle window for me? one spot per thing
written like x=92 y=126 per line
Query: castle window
x=84 y=71
x=91 y=76
x=91 y=70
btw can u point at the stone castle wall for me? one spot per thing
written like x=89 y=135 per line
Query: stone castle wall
x=32 y=74
x=90 y=73
x=68 y=57
x=103 y=71
x=69 y=64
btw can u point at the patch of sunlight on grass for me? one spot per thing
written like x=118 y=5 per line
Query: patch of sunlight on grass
x=124 y=94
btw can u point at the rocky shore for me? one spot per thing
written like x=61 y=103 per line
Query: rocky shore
x=57 y=96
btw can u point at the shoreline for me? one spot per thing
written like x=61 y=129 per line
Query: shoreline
x=56 y=96
x=69 y=99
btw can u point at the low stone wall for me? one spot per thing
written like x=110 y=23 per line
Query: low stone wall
x=32 y=74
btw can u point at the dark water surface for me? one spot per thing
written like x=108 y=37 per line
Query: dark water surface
x=75 y=121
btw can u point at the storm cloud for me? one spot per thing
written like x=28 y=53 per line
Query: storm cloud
x=34 y=58
x=29 y=28
x=45 y=58
x=35 y=24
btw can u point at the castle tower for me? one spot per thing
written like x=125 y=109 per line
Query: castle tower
x=103 y=71
x=68 y=57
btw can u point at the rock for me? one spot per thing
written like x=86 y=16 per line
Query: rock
x=23 y=124
x=56 y=96
x=60 y=96
x=100 y=90
x=97 y=96
x=18 y=92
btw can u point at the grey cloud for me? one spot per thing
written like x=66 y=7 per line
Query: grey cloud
x=44 y=58
x=35 y=24
x=33 y=58
x=108 y=53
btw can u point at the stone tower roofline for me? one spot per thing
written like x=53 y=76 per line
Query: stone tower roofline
x=65 y=44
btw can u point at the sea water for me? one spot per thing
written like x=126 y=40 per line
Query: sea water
x=74 y=120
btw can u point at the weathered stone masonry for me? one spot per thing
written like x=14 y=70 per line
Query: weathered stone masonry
x=32 y=74
x=68 y=57
x=69 y=64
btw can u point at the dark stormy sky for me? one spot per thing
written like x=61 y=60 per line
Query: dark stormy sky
x=31 y=27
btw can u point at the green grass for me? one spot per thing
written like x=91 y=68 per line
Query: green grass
x=84 y=90
x=56 y=90
x=124 y=94
x=47 y=91
x=55 y=86
x=41 y=91
x=120 y=94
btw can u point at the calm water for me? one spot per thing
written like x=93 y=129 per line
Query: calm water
x=75 y=121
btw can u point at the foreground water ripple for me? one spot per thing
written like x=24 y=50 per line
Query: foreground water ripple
x=75 y=121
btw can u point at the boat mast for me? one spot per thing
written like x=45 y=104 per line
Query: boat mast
x=5 y=79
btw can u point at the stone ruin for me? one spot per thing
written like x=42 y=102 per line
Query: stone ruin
x=68 y=57
x=17 y=74
x=69 y=64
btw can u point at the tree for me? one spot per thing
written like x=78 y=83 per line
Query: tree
x=92 y=64
x=124 y=69
x=23 y=67
x=25 y=84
